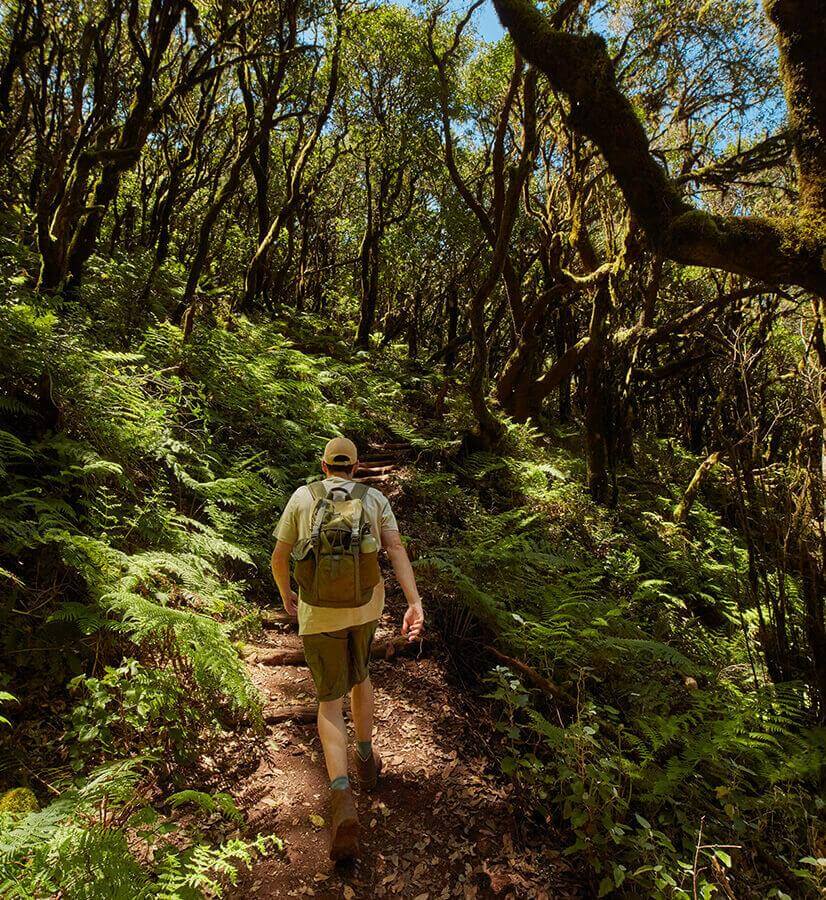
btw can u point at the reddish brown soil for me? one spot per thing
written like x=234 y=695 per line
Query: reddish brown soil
x=441 y=823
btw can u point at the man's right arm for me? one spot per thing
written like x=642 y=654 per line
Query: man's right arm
x=281 y=574
x=286 y=534
x=413 y=624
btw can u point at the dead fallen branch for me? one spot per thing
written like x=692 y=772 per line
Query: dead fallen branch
x=540 y=681
x=545 y=684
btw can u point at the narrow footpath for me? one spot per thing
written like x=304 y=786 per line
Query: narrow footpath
x=442 y=822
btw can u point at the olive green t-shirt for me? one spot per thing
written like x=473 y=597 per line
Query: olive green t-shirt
x=296 y=523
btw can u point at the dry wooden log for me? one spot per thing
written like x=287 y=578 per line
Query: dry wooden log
x=275 y=714
x=295 y=657
x=287 y=657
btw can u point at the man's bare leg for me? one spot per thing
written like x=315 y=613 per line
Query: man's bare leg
x=333 y=737
x=368 y=762
x=361 y=706
x=344 y=824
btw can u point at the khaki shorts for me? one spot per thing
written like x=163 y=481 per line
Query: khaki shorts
x=338 y=660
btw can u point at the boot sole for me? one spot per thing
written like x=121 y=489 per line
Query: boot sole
x=346 y=844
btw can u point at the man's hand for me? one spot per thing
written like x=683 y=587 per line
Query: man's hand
x=413 y=623
x=291 y=603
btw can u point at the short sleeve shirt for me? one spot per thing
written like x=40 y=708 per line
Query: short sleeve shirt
x=296 y=523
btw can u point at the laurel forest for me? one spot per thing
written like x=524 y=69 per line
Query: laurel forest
x=567 y=261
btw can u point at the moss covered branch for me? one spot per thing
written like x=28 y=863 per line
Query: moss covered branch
x=779 y=251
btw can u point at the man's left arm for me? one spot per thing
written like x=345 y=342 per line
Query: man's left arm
x=413 y=623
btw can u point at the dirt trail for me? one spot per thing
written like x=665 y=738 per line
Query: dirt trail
x=441 y=823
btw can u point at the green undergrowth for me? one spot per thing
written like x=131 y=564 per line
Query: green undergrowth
x=143 y=478
x=142 y=481
x=660 y=730
x=102 y=839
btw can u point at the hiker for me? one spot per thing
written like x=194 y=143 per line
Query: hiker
x=331 y=529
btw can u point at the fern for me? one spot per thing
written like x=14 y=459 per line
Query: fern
x=201 y=640
x=204 y=871
x=64 y=849
x=210 y=803
x=86 y=618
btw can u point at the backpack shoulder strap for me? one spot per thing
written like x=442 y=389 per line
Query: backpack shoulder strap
x=317 y=489
x=357 y=492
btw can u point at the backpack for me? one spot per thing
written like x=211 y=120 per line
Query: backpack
x=337 y=565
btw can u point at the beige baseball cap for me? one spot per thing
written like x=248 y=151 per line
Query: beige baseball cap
x=340 y=452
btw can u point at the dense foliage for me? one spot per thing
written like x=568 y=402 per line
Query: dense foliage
x=588 y=290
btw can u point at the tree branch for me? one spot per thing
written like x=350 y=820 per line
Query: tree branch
x=784 y=251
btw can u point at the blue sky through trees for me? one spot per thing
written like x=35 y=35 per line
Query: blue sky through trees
x=485 y=20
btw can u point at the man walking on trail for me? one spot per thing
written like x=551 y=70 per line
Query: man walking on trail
x=331 y=529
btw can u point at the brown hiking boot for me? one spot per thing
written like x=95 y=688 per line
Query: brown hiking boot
x=368 y=770
x=344 y=825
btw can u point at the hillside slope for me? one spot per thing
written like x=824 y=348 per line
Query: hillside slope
x=605 y=654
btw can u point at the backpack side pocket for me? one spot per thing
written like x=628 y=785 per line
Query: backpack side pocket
x=304 y=566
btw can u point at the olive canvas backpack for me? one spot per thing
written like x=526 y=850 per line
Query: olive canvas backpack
x=337 y=565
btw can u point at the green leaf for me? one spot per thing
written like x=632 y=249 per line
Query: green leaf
x=605 y=887
x=508 y=764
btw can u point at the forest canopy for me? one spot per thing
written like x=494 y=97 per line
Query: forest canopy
x=578 y=268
